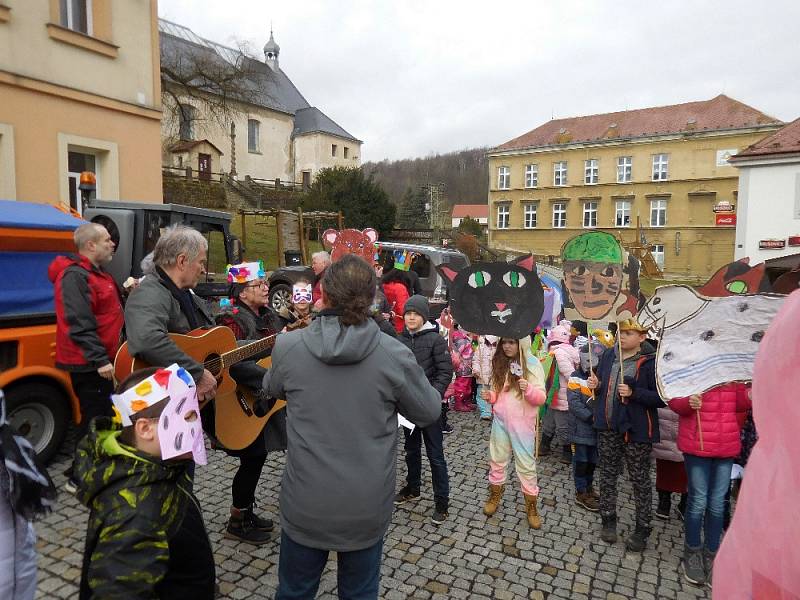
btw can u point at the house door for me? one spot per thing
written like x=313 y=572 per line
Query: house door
x=204 y=166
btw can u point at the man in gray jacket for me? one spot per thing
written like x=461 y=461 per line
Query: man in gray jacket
x=344 y=383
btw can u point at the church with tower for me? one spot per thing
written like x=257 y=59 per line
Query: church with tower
x=266 y=130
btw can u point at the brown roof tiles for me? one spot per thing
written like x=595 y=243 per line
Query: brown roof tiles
x=718 y=113
x=784 y=141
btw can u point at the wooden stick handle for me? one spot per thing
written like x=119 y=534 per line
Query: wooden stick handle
x=699 y=430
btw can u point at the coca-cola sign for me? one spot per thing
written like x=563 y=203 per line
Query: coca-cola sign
x=725 y=220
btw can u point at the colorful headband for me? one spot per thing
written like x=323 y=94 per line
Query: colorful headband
x=162 y=384
x=403 y=260
x=244 y=272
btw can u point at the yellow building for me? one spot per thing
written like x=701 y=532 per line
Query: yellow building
x=663 y=167
x=79 y=90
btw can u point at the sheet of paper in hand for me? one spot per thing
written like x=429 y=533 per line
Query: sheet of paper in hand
x=351 y=241
x=499 y=298
x=601 y=279
x=706 y=341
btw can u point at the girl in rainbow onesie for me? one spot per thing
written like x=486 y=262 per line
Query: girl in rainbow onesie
x=516 y=391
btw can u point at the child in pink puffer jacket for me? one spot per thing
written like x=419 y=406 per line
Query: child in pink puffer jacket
x=567 y=358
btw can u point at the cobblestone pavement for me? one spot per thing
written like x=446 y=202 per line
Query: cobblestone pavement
x=469 y=556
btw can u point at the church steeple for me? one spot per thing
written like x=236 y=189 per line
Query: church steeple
x=271 y=52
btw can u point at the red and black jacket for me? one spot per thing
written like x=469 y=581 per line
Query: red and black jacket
x=89 y=316
x=638 y=418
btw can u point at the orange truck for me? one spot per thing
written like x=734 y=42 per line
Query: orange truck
x=40 y=401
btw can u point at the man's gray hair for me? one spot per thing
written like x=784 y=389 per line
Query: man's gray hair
x=326 y=257
x=177 y=240
x=88 y=232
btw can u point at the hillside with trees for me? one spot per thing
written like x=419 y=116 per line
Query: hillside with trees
x=464 y=174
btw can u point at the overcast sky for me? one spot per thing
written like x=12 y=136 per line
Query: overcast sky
x=412 y=77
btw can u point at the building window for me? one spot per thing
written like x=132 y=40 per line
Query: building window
x=77 y=163
x=624 y=169
x=623 y=218
x=306 y=179
x=560 y=173
x=529 y=214
x=333 y=149
x=658 y=255
x=559 y=215
x=590 y=214
x=660 y=167
x=531 y=176
x=503 y=178
x=186 y=116
x=253 y=128
x=503 y=213
x=346 y=152
x=77 y=15
x=591 y=171
x=658 y=212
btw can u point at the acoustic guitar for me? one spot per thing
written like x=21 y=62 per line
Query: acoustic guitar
x=236 y=418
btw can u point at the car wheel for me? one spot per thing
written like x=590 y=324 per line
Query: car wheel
x=39 y=413
x=280 y=296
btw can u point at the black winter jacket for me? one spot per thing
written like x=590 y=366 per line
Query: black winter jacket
x=638 y=419
x=430 y=350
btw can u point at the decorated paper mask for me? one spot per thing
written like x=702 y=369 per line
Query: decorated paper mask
x=503 y=299
x=301 y=292
x=593 y=272
x=244 y=272
x=351 y=241
x=179 y=428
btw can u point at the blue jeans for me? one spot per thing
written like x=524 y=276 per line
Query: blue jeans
x=584 y=460
x=709 y=481
x=483 y=405
x=434 y=448
x=300 y=569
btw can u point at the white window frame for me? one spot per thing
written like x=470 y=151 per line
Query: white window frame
x=624 y=169
x=622 y=210
x=590 y=210
x=70 y=24
x=660 y=167
x=503 y=178
x=658 y=207
x=658 y=254
x=591 y=171
x=560 y=173
x=559 y=210
x=529 y=215
x=531 y=176
x=254 y=141
x=503 y=216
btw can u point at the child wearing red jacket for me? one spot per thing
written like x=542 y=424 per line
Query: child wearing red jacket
x=709 y=437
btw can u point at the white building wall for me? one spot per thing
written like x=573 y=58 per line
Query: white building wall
x=313 y=152
x=768 y=207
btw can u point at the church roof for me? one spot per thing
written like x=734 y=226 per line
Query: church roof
x=260 y=85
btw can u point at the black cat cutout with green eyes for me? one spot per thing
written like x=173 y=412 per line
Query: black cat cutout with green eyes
x=499 y=298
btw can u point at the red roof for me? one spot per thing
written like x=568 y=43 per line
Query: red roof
x=475 y=211
x=718 y=113
x=783 y=141
x=188 y=145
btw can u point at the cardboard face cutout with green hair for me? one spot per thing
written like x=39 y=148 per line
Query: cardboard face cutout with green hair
x=593 y=272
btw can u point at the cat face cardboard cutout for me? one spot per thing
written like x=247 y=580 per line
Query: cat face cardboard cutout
x=499 y=298
x=350 y=241
x=600 y=279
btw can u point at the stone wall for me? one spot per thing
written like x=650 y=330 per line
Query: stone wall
x=194 y=192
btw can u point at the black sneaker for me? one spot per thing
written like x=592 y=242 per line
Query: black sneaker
x=244 y=531
x=447 y=429
x=406 y=494
x=71 y=486
x=257 y=522
x=439 y=514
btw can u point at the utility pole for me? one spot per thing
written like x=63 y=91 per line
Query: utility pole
x=436 y=205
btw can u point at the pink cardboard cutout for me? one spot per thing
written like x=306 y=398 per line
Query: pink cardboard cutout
x=760 y=553
x=350 y=241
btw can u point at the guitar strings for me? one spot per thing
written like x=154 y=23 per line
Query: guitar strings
x=218 y=363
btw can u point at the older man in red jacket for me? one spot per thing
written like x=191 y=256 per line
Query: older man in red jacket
x=89 y=321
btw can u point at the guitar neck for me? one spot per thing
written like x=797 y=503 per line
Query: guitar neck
x=244 y=352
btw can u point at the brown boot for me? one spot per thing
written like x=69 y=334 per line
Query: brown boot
x=593 y=493
x=534 y=520
x=587 y=501
x=495 y=493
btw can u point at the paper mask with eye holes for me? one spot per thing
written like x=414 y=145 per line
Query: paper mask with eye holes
x=180 y=430
x=499 y=298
